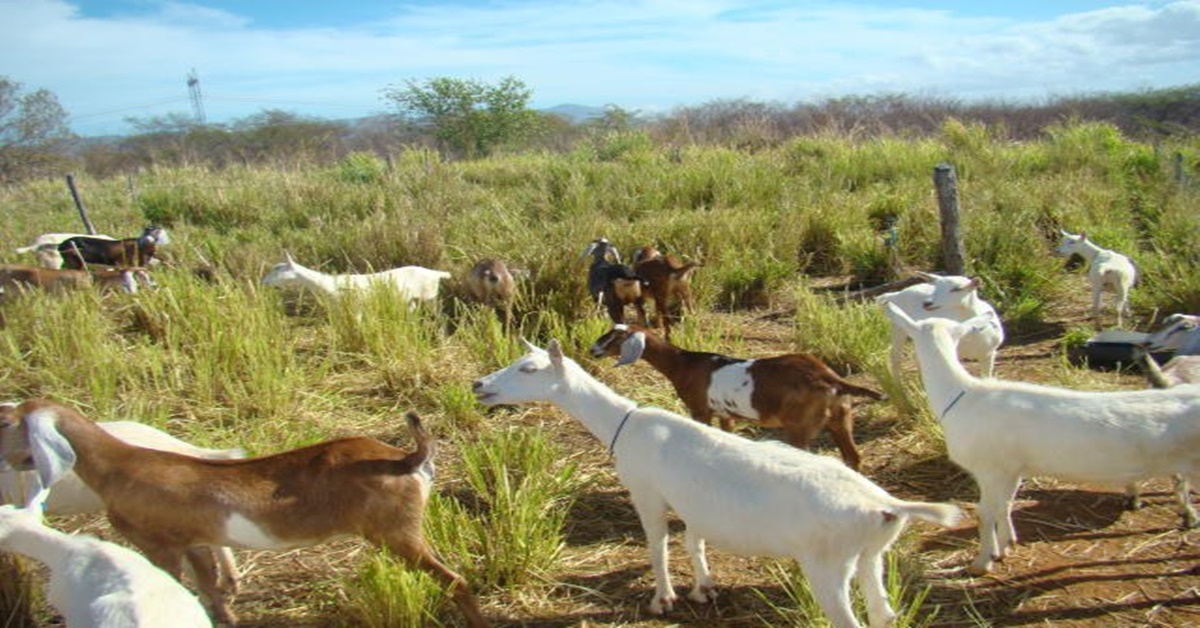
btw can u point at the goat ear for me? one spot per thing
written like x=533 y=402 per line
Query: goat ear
x=556 y=354
x=52 y=453
x=1082 y=235
x=632 y=348
x=973 y=284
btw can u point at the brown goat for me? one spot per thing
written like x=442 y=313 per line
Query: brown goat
x=668 y=284
x=15 y=279
x=171 y=506
x=795 y=392
x=490 y=282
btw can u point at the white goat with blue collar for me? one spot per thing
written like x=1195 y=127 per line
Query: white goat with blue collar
x=1002 y=431
x=747 y=497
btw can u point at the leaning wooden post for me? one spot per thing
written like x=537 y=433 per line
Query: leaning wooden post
x=79 y=205
x=946 y=182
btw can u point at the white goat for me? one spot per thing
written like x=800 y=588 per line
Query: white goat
x=54 y=239
x=98 y=584
x=1107 y=270
x=947 y=296
x=751 y=498
x=413 y=283
x=171 y=506
x=1002 y=431
x=1179 y=334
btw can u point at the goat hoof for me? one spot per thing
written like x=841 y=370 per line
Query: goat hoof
x=662 y=604
x=704 y=594
x=977 y=569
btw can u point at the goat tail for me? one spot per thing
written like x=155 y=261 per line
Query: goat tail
x=426 y=446
x=944 y=515
x=846 y=388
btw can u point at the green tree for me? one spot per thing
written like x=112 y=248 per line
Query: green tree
x=33 y=132
x=469 y=117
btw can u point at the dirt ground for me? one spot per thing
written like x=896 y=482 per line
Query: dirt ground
x=1083 y=559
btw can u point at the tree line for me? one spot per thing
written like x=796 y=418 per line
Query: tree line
x=467 y=119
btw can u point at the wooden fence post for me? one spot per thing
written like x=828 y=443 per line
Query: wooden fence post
x=946 y=182
x=79 y=205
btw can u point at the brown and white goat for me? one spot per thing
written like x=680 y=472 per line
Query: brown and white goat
x=170 y=505
x=490 y=282
x=795 y=392
x=668 y=283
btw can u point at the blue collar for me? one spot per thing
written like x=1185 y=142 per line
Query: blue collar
x=619 y=428
x=952 y=402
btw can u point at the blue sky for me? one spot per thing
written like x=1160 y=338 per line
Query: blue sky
x=107 y=60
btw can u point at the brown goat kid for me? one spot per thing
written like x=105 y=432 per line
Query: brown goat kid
x=490 y=282
x=795 y=392
x=15 y=279
x=171 y=506
x=668 y=283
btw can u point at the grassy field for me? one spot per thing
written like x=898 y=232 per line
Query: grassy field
x=527 y=507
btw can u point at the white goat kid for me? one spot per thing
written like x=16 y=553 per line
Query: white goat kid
x=1107 y=271
x=1003 y=431
x=98 y=584
x=947 y=296
x=412 y=283
x=750 y=498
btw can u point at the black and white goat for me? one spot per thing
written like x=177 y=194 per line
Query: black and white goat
x=79 y=251
x=613 y=284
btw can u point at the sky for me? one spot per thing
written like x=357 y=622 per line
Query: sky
x=109 y=60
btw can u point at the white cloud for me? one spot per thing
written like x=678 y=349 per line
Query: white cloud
x=641 y=55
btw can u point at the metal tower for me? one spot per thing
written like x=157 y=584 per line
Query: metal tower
x=193 y=82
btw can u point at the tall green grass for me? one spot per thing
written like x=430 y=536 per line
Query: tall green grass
x=232 y=363
x=511 y=529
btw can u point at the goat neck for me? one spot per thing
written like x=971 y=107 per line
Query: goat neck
x=1087 y=249
x=599 y=408
x=21 y=528
x=943 y=376
x=316 y=279
x=665 y=357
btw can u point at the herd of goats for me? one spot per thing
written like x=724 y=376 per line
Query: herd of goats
x=184 y=505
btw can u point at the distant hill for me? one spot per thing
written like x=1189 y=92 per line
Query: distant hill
x=576 y=113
